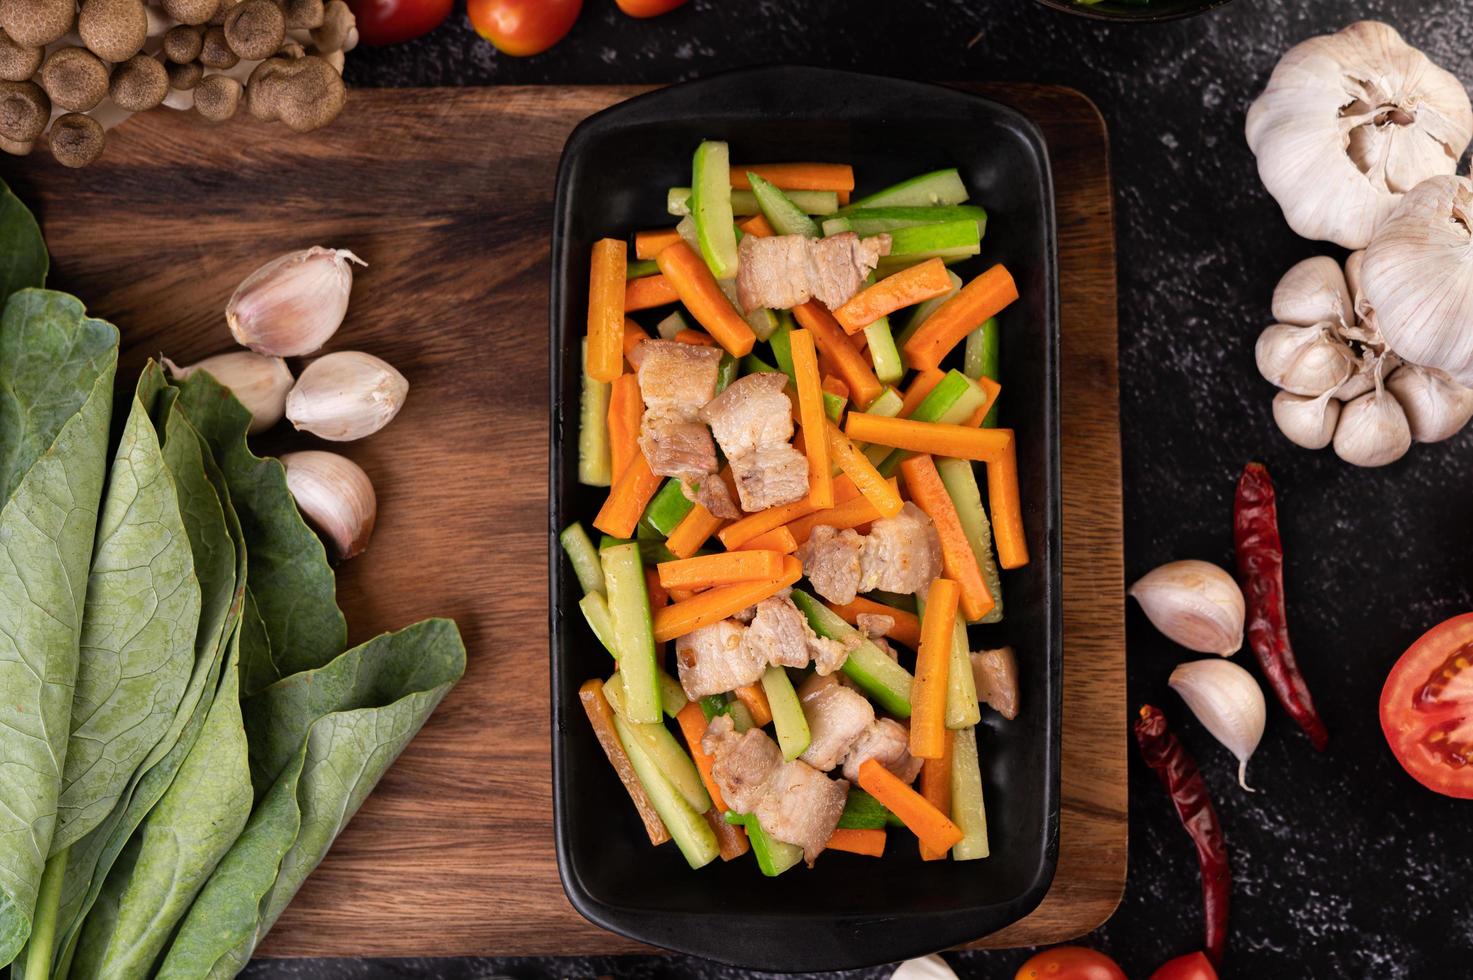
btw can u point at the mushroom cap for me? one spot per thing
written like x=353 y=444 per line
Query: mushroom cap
x=25 y=109
x=183 y=43
x=305 y=93
x=17 y=149
x=303 y=15
x=216 y=52
x=255 y=29
x=217 y=97
x=184 y=77
x=75 y=78
x=191 y=11
x=77 y=140
x=338 y=23
x=18 y=62
x=37 y=21
x=139 y=84
x=114 y=30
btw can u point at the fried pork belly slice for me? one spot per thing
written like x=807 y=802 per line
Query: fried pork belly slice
x=780 y=635
x=801 y=806
x=770 y=477
x=901 y=554
x=675 y=381
x=752 y=421
x=780 y=272
x=742 y=765
x=674 y=377
x=836 y=715
x=874 y=625
x=711 y=492
x=841 y=263
x=831 y=561
x=676 y=448
x=996 y=675
x=714 y=660
x=889 y=742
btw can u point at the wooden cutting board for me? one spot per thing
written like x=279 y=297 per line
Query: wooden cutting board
x=447 y=194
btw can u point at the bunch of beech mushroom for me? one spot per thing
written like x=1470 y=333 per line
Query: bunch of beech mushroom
x=290 y=307
x=70 y=73
x=1357 y=137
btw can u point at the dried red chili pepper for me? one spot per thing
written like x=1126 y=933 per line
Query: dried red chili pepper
x=1261 y=572
x=1177 y=771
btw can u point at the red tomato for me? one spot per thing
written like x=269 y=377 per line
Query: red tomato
x=523 y=27
x=1193 y=966
x=1070 y=963
x=392 y=21
x=1427 y=708
x=648 y=8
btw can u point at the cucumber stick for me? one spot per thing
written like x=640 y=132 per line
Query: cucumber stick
x=833 y=406
x=938 y=188
x=596 y=612
x=880 y=677
x=888 y=404
x=672 y=761
x=672 y=325
x=741 y=716
x=782 y=350
x=924 y=310
x=688 y=827
x=968 y=809
x=711 y=207
x=726 y=372
x=744 y=203
x=785 y=217
x=962 y=708
x=667 y=509
x=950 y=242
x=641 y=268
x=875 y=221
x=752 y=364
x=952 y=402
x=773 y=856
x=983 y=360
x=883 y=352
x=595 y=467
x=864 y=812
x=960 y=480
x=713 y=705
x=787 y=713
x=629 y=609
x=583 y=556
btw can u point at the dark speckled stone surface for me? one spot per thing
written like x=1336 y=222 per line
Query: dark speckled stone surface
x=1344 y=866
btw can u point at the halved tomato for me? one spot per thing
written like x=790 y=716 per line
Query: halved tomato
x=1427 y=708
x=1193 y=966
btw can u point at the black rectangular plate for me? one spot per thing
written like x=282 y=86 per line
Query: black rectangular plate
x=848 y=911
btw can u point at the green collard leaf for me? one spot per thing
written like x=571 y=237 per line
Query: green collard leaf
x=23 y=259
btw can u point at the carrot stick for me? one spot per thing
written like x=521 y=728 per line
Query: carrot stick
x=973 y=304
x=810 y=408
x=647 y=292
x=634 y=335
x=779 y=539
x=696 y=288
x=907 y=628
x=835 y=386
x=628 y=499
x=601 y=717
x=851 y=513
x=928 y=691
x=738 y=533
x=680 y=595
x=797 y=176
x=731 y=840
x=924 y=820
x=714 y=605
x=848 y=363
x=625 y=409
x=658 y=597
x=693 y=727
x=939 y=439
x=605 y=308
x=936 y=788
x=921 y=282
x=957 y=557
x=853 y=840
x=856 y=465
x=693 y=531
x=705 y=571
x=755 y=699
x=1007 y=507
x=919 y=388
x=648 y=244
x=756 y=225
x=992 y=389
x=694 y=337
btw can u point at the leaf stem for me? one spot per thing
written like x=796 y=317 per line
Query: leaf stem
x=43 y=930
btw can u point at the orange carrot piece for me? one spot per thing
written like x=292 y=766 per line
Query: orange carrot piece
x=693 y=726
x=731 y=840
x=835 y=386
x=693 y=531
x=916 y=284
x=919 y=388
x=924 y=820
x=907 y=628
x=648 y=244
x=634 y=335
x=797 y=176
x=928 y=691
x=738 y=533
x=992 y=389
x=851 y=513
x=625 y=408
x=1007 y=506
x=694 y=337
x=696 y=288
x=628 y=499
x=779 y=539
x=680 y=595
x=606 y=308
x=756 y=225
x=647 y=292
x=844 y=197
x=601 y=717
x=724 y=568
x=755 y=699
x=856 y=465
x=810 y=408
x=936 y=788
x=658 y=597
x=854 y=840
x=957 y=557
x=714 y=605
x=936 y=438
x=974 y=303
x=847 y=362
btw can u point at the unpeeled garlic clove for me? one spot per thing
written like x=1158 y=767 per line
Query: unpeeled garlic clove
x=346 y=395
x=258 y=381
x=293 y=304
x=1194 y=603
x=1303 y=360
x=335 y=495
x=1436 y=406
x=1307 y=422
x=930 y=967
x=1373 y=430
x=1229 y=704
x=1313 y=291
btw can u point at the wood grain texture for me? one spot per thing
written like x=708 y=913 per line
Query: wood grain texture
x=447 y=194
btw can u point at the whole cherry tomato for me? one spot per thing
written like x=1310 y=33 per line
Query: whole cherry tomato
x=523 y=27
x=1193 y=966
x=392 y=21
x=648 y=8
x=1070 y=963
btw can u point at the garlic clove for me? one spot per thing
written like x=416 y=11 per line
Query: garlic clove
x=1373 y=430
x=293 y=304
x=335 y=495
x=1436 y=406
x=1303 y=360
x=930 y=967
x=1313 y=291
x=1307 y=422
x=346 y=395
x=258 y=381
x=1353 y=263
x=1229 y=704
x=1195 y=604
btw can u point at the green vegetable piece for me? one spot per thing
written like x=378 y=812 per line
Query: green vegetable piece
x=960 y=480
x=583 y=557
x=672 y=761
x=726 y=372
x=924 y=310
x=667 y=509
x=629 y=606
x=741 y=716
x=711 y=207
x=595 y=466
x=983 y=360
x=864 y=812
x=713 y=705
x=833 y=406
x=968 y=809
x=596 y=611
x=785 y=217
x=889 y=403
x=954 y=400
x=876 y=221
x=672 y=325
x=652 y=550
x=787 y=713
x=962 y=708
x=938 y=188
x=744 y=203
x=23 y=259
x=773 y=856
x=752 y=364
x=948 y=240
x=641 y=268
x=687 y=826
x=782 y=350
x=881 y=678
x=672 y=695
x=883 y=352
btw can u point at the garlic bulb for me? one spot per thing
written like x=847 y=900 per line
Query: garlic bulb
x=1418 y=277
x=1373 y=430
x=1348 y=123
x=335 y=495
x=346 y=395
x=1304 y=360
x=1229 y=704
x=293 y=304
x=1313 y=291
x=1308 y=422
x=1436 y=406
x=258 y=381
x=930 y=967
x=1194 y=603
